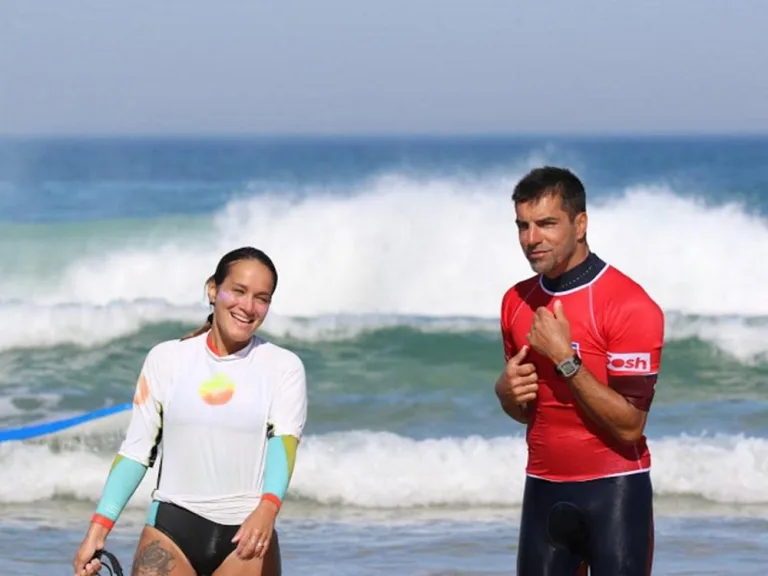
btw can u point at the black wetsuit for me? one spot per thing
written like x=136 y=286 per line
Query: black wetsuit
x=205 y=544
x=608 y=523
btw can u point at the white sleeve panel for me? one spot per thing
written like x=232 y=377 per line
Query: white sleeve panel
x=145 y=428
x=288 y=412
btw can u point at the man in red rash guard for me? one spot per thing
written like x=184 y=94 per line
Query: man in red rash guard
x=583 y=347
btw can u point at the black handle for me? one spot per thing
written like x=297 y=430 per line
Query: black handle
x=115 y=569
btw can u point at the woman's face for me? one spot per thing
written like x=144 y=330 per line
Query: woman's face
x=242 y=301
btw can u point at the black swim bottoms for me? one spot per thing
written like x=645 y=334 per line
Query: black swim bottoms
x=607 y=523
x=206 y=544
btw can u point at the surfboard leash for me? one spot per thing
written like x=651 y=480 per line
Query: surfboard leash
x=114 y=568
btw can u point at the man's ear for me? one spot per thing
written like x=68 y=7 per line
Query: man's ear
x=581 y=226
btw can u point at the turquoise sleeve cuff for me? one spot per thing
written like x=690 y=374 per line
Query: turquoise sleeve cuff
x=124 y=477
x=278 y=466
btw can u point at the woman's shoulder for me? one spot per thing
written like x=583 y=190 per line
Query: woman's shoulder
x=168 y=351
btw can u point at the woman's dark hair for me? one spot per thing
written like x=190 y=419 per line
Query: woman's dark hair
x=222 y=271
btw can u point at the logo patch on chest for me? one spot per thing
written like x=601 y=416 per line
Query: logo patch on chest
x=217 y=391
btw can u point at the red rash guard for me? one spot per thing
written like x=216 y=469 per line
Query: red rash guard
x=618 y=331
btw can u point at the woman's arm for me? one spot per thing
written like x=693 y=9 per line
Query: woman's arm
x=139 y=447
x=278 y=470
x=124 y=477
x=287 y=418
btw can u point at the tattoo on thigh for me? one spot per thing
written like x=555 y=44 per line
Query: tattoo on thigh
x=153 y=560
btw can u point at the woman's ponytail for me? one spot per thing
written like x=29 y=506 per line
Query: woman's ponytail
x=202 y=330
x=208 y=321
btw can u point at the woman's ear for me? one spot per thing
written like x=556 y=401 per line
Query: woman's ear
x=210 y=287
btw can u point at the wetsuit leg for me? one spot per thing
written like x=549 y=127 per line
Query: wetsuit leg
x=619 y=515
x=539 y=554
x=205 y=544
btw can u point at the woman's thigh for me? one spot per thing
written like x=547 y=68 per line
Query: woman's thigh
x=158 y=555
x=269 y=565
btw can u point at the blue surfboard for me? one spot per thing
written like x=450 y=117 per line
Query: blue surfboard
x=65 y=424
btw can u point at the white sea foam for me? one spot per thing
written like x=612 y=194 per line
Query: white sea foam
x=435 y=248
x=384 y=470
x=744 y=339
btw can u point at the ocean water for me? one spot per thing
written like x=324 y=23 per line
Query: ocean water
x=393 y=255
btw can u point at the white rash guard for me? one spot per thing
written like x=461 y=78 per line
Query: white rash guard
x=210 y=415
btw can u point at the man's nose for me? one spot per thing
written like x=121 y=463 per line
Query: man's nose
x=532 y=236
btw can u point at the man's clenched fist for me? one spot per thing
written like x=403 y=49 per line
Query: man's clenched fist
x=518 y=382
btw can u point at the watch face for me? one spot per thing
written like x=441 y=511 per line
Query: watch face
x=568 y=367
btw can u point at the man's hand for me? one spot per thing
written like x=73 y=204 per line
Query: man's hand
x=518 y=382
x=550 y=334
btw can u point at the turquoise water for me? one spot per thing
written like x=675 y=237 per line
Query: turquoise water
x=393 y=256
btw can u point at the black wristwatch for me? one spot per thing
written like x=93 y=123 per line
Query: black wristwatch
x=568 y=368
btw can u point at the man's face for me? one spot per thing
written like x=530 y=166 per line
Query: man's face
x=547 y=235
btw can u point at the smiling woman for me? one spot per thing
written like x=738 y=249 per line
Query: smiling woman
x=230 y=409
x=236 y=271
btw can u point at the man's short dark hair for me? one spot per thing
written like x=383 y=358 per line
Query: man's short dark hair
x=548 y=180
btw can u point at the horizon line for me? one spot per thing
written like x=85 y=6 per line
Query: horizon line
x=355 y=135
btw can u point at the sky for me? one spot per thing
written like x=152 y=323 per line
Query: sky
x=382 y=66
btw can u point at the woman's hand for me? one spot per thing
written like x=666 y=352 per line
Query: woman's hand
x=255 y=534
x=84 y=563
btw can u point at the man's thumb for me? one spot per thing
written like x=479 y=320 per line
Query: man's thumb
x=558 y=307
x=520 y=355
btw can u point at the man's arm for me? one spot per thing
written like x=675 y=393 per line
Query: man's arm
x=607 y=407
x=514 y=410
x=511 y=408
x=635 y=338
